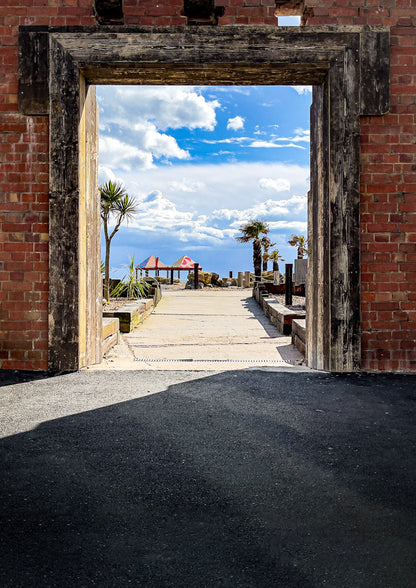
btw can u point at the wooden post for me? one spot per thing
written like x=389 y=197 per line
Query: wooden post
x=171 y=276
x=196 y=280
x=289 y=284
x=247 y=280
x=230 y=274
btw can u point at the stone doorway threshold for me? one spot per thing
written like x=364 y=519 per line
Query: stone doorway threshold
x=204 y=330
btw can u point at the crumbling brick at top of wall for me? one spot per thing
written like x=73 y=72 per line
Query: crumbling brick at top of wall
x=389 y=13
x=195 y=12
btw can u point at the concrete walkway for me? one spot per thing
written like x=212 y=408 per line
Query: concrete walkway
x=204 y=330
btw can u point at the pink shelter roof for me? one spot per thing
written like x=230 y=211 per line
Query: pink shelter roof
x=151 y=262
x=184 y=262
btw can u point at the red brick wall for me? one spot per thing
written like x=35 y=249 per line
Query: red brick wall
x=388 y=180
x=388 y=189
x=24 y=172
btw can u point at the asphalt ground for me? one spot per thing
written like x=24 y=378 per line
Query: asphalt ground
x=253 y=478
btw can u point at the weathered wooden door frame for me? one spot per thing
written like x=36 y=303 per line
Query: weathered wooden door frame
x=348 y=67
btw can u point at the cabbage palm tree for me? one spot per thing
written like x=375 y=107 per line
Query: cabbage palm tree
x=300 y=242
x=116 y=205
x=275 y=256
x=251 y=231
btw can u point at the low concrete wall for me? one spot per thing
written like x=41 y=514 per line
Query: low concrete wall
x=299 y=335
x=155 y=291
x=131 y=314
x=110 y=335
x=278 y=315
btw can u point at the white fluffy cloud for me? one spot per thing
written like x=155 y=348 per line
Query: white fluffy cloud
x=235 y=123
x=185 y=185
x=149 y=144
x=300 y=226
x=274 y=144
x=302 y=89
x=131 y=130
x=268 y=209
x=229 y=141
x=279 y=185
x=160 y=215
x=114 y=154
x=301 y=135
x=159 y=144
x=204 y=188
x=169 y=107
x=157 y=214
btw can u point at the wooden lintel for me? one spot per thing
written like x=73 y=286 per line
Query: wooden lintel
x=374 y=57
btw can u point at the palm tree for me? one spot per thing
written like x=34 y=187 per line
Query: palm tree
x=266 y=244
x=300 y=242
x=116 y=204
x=251 y=231
x=275 y=256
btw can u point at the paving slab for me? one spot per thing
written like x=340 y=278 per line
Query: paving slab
x=204 y=330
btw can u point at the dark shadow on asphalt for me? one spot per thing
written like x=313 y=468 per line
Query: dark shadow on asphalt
x=247 y=478
x=11 y=377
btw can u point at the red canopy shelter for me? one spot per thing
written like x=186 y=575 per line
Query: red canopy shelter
x=151 y=263
x=184 y=263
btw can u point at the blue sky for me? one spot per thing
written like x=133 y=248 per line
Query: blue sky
x=201 y=161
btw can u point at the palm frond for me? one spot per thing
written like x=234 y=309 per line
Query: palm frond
x=132 y=286
x=252 y=230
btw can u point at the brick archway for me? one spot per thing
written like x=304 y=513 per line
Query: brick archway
x=347 y=67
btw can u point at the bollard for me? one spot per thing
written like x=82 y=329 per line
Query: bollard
x=289 y=284
x=240 y=279
x=196 y=279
